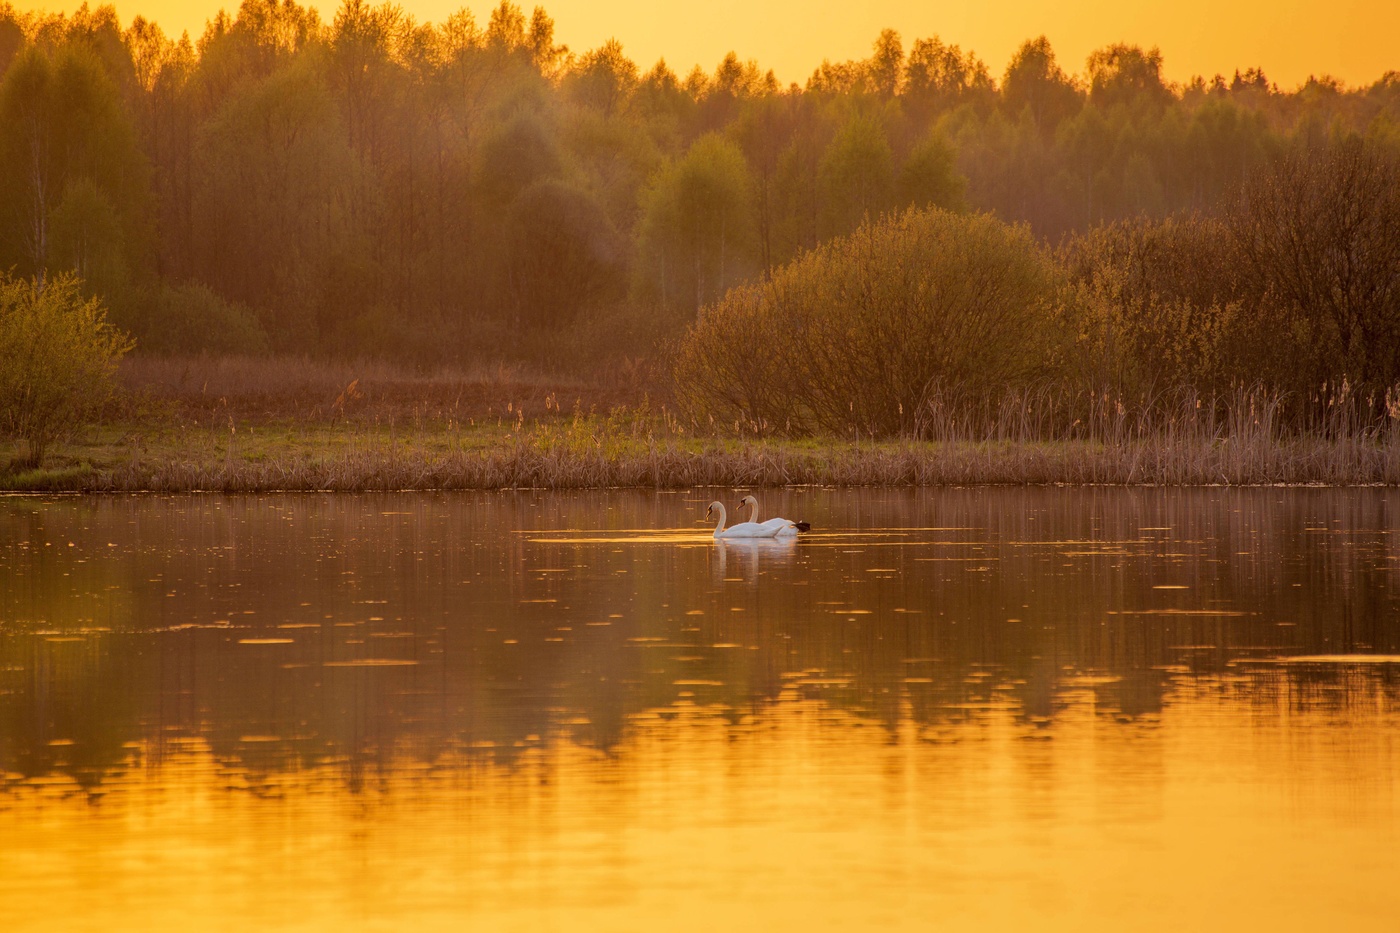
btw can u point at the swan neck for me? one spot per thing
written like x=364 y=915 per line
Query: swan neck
x=720 y=527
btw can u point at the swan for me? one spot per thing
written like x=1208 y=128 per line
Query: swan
x=781 y=526
x=741 y=530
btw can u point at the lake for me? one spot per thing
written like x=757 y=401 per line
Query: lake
x=962 y=709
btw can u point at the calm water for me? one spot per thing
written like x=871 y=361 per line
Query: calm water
x=1059 y=709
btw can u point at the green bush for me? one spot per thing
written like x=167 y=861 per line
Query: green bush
x=192 y=318
x=863 y=333
x=57 y=357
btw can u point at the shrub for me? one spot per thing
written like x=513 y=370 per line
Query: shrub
x=192 y=318
x=1317 y=237
x=1161 y=304
x=57 y=356
x=862 y=333
x=1296 y=285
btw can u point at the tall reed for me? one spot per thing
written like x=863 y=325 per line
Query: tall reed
x=1025 y=437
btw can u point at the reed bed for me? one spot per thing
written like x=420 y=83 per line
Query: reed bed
x=1246 y=437
x=216 y=388
x=671 y=465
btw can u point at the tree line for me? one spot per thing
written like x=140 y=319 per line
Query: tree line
x=369 y=184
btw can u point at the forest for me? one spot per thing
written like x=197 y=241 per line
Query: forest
x=371 y=186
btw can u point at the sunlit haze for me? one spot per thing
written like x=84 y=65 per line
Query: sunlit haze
x=1352 y=40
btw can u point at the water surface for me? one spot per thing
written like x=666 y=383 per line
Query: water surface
x=1062 y=709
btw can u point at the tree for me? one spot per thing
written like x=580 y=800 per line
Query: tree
x=696 y=229
x=563 y=258
x=862 y=333
x=57 y=357
x=939 y=77
x=505 y=31
x=1034 y=82
x=87 y=237
x=886 y=66
x=604 y=78
x=1126 y=75
x=69 y=155
x=930 y=176
x=271 y=204
x=520 y=151
x=857 y=175
x=1318 y=236
x=544 y=54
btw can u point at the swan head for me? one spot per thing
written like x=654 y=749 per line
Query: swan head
x=747 y=500
x=713 y=507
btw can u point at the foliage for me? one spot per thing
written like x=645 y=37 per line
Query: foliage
x=856 y=175
x=273 y=195
x=1317 y=238
x=564 y=255
x=1297 y=285
x=930 y=176
x=694 y=236
x=57 y=357
x=862 y=333
x=193 y=318
x=74 y=188
x=1159 y=307
x=375 y=185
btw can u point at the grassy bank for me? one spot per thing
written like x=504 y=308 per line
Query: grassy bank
x=596 y=453
x=243 y=425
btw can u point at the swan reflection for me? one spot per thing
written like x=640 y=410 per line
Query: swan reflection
x=748 y=553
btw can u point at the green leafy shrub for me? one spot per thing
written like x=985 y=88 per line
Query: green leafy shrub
x=864 y=332
x=57 y=357
x=192 y=318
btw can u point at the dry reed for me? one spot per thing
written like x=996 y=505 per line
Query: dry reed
x=1241 y=438
x=670 y=464
x=201 y=388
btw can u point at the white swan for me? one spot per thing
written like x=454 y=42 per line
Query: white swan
x=781 y=527
x=741 y=530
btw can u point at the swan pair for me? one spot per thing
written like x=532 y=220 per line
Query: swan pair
x=753 y=528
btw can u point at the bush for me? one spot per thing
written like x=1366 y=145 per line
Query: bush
x=864 y=332
x=1161 y=305
x=1296 y=285
x=57 y=357
x=1317 y=236
x=192 y=318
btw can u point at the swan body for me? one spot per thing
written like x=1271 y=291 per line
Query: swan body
x=781 y=527
x=741 y=530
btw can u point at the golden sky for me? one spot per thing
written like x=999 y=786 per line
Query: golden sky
x=1353 y=40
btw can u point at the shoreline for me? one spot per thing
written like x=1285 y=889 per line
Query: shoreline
x=347 y=459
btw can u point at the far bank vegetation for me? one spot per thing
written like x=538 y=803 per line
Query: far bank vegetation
x=1279 y=313
x=363 y=222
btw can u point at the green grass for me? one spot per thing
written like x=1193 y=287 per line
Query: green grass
x=70 y=478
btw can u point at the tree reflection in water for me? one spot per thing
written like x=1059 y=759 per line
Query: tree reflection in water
x=370 y=645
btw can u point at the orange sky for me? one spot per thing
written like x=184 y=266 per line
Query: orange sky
x=1353 y=40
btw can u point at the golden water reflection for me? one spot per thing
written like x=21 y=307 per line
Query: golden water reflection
x=322 y=712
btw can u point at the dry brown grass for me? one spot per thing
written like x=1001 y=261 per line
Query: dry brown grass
x=1028 y=438
x=254 y=388
x=669 y=464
